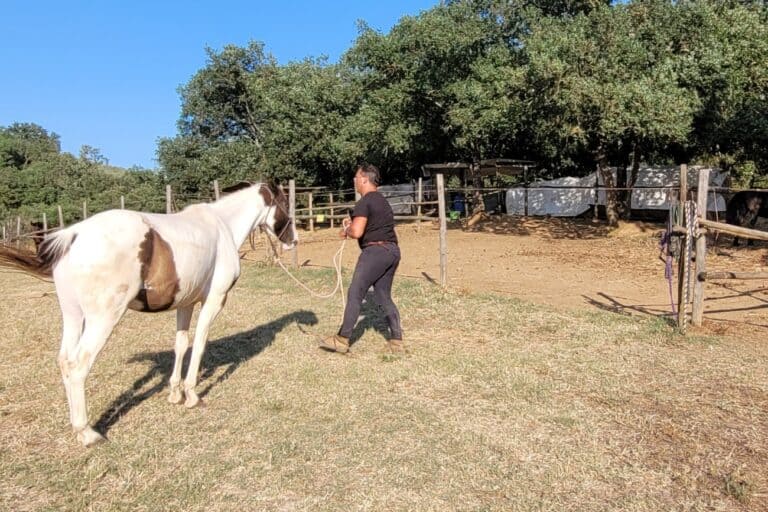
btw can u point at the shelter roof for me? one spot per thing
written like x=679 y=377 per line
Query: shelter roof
x=489 y=167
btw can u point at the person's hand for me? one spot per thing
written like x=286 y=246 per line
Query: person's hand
x=345 y=225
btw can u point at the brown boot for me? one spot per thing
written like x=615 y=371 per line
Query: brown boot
x=335 y=343
x=395 y=346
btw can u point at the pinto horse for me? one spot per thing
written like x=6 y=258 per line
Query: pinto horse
x=744 y=208
x=119 y=260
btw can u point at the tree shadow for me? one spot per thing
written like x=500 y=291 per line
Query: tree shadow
x=230 y=352
x=555 y=228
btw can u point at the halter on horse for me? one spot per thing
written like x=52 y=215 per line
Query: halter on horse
x=120 y=259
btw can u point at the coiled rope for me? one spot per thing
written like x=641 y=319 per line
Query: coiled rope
x=692 y=232
x=336 y=265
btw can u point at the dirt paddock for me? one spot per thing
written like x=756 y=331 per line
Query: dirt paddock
x=569 y=263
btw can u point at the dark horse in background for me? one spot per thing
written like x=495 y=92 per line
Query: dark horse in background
x=744 y=208
x=39 y=234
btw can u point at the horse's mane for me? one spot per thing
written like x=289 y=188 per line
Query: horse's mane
x=270 y=185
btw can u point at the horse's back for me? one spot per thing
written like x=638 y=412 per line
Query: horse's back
x=100 y=267
x=106 y=238
x=204 y=253
x=746 y=205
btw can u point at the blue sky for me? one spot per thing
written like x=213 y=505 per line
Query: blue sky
x=106 y=73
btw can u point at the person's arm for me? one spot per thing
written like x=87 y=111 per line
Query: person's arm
x=354 y=228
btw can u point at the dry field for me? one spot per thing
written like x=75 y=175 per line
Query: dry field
x=503 y=403
x=572 y=264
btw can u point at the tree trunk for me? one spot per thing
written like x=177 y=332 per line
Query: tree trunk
x=635 y=165
x=611 y=212
x=622 y=196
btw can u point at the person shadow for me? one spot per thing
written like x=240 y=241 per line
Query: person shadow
x=230 y=352
x=372 y=318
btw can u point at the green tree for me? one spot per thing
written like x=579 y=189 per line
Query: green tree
x=431 y=92
x=221 y=126
x=600 y=90
x=24 y=143
x=725 y=61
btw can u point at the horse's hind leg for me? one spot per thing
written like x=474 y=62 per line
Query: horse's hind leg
x=72 y=320
x=183 y=318
x=208 y=312
x=79 y=363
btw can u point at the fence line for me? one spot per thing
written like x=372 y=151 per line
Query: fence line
x=309 y=205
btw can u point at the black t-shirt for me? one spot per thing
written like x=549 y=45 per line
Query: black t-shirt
x=381 y=221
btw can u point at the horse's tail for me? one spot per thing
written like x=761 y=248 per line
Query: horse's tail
x=52 y=248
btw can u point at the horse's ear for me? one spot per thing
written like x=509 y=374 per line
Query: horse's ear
x=275 y=187
x=236 y=187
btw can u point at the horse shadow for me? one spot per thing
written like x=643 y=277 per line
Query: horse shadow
x=230 y=352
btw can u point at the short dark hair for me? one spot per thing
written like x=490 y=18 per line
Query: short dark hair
x=371 y=172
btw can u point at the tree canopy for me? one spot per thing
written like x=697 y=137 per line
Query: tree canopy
x=571 y=84
x=36 y=177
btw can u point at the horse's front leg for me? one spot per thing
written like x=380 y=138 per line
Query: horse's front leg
x=183 y=319
x=208 y=312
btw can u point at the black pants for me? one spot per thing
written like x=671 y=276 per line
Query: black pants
x=376 y=267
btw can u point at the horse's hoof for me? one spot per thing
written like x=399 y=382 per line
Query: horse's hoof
x=90 y=437
x=193 y=401
x=175 y=397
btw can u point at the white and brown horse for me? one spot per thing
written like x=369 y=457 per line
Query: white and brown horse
x=122 y=259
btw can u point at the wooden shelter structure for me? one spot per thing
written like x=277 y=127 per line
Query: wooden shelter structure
x=473 y=172
x=473 y=177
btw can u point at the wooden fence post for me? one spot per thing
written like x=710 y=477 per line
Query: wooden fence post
x=216 y=191
x=18 y=232
x=525 y=192
x=45 y=223
x=419 y=197
x=595 y=215
x=168 y=198
x=61 y=216
x=443 y=231
x=85 y=210
x=683 y=263
x=292 y=213
x=330 y=200
x=697 y=313
x=311 y=214
x=122 y=202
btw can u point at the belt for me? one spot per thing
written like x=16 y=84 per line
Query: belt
x=379 y=242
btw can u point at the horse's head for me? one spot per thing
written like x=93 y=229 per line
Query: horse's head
x=279 y=221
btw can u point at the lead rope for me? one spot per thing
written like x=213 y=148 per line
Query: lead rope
x=692 y=228
x=336 y=265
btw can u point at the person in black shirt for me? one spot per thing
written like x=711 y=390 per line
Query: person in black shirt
x=373 y=225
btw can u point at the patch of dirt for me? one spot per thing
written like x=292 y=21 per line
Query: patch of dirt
x=570 y=263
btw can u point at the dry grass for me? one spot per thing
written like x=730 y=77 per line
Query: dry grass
x=501 y=405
